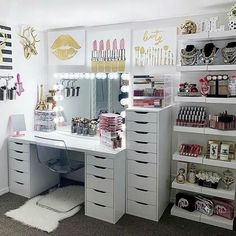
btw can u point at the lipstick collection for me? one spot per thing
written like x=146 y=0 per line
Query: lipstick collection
x=107 y=59
x=191 y=116
x=222 y=121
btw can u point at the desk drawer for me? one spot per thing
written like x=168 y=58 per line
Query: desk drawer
x=18 y=146
x=142 y=195
x=141 y=116
x=100 y=171
x=20 y=165
x=99 y=161
x=100 y=183
x=141 y=136
x=143 y=182
x=141 y=126
x=142 y=210
x=142 y=168
x=142 y=146
x=19 y=176
x=19 y=188
x=19 y=155
x=141 y=156
x=100 y=211
x=100 y=197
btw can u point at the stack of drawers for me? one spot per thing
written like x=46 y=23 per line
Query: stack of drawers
x=105 y=187
x=27 y=177
x=143 y=159
x=19 y=168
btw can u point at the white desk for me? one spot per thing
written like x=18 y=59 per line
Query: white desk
x=104 y=172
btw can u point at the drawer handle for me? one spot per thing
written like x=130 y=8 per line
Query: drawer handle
x=19 y=183
x=141 y=142
x=100 y=157
x=18 y=171
x=18 y=143
x=99 y=177
x=143 y=190
x=139 y=132
x=99 y=204
x=142 y=176
x=141 y=152
x=100 y=167
x=141 y=122
x=142 y=162
x=142 y=203
x=141 y=112
x=99 y=191
x=18 y=151
x=18 y=159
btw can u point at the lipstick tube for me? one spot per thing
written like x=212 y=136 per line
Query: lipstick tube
x=122 y=59
x=115 y=56
x=101 y=59
x=94 y=61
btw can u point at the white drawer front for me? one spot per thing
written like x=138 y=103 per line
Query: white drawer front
x=100 y=212
x=142 y=146
x=19 y=188
x=19 y=176
x=142 y=210
x=100 y=183
x=143 y=182
x=18 y=146
x=21 y=165
x=141 y=156
x=141 y=116
x=99 y=161
x=142 y=168
x=141 y=126
x=141 y=195
x=141 y=136
x=19 y=155
x=100 y=171
x=100 y=197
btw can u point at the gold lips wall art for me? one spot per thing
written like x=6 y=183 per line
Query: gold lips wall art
x=65 y=47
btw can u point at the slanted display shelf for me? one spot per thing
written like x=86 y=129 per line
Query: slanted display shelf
x=199 y=217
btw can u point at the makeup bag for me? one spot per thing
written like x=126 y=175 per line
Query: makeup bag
x=185 y=201
x=223 y=208
x=204 y=205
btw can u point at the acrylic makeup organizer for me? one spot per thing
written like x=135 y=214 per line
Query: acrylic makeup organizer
x=5 y=93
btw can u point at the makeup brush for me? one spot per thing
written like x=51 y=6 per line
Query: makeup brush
x=122 y=59
x=108 y=57
x=114 y=56
x=94 y=57
x=101 y=57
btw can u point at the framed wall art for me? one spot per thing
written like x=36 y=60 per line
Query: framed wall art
x=66 y=47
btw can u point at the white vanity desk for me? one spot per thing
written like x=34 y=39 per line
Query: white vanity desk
x=104 y=172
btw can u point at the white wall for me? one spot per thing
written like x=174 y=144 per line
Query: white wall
x=32 y=72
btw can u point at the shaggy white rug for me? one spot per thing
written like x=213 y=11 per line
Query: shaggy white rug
x=44 y=219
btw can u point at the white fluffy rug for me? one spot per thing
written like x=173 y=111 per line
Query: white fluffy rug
x=44 y=219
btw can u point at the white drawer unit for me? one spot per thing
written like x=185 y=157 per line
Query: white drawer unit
x=148 y=141
x=27 y=177
x=105 y=187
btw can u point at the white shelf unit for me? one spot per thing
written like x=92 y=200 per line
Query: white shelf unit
x=202 y=160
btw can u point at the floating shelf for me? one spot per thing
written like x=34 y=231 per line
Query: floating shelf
x=195 y=188
x=209 y=131
x=199 y=217
x=203 y=99
x=221 y=67
x=192 y=68
x=199 y=68
x=205 y=161
x=193 y=37
x=147 y=97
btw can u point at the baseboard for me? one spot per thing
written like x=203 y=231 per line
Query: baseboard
x=3 y=191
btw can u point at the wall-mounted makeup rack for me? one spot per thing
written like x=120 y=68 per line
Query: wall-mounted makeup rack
x=5 y=92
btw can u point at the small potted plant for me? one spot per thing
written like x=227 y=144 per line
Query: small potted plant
x=232 y=17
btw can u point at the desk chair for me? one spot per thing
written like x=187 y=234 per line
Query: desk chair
x=53 y=154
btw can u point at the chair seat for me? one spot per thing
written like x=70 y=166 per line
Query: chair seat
x=64 y=168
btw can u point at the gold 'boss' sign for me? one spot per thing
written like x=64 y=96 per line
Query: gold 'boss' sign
x=155 y=35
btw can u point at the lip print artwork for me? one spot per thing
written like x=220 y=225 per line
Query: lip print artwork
x=66 y=47
x=154 y=47
x=109 y=51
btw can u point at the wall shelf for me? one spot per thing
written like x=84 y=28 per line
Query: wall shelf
x=210 y=100
x=195 y=188
x=190 y=99
x=177 y=157
x=186 y=129
x=199 y=217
